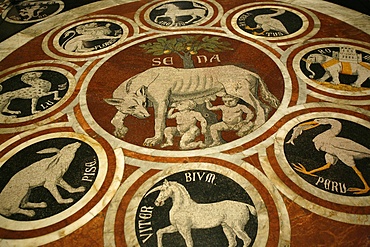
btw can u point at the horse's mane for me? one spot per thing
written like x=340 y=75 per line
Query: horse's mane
x=181 y=188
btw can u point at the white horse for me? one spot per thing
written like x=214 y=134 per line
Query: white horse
x=186 y=214
x=172 y=12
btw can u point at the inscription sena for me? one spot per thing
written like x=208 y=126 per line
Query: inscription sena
x=194 y=212
x=199 y=106
x=211 y=81
x=158 y=61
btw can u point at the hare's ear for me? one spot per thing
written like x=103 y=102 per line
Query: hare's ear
x=48 y=151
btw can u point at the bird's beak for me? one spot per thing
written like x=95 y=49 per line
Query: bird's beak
x=311 y=124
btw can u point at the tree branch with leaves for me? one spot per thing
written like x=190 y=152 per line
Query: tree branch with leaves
x=186 y=46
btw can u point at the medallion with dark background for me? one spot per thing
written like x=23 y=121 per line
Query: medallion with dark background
x=58 y=81
x=269 y=22
x=163 y=13
x=99 y=35
x=33 y=11
x=126 y=64
x=9 y=28
x=339 y=175
x=85 y=157
x=204 y=190
x=333 y=53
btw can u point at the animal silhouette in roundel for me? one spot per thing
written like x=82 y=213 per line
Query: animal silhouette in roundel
x=47 y=183
x=31 y=92
x=332 y=153
x=197 y=213
x=178 y=13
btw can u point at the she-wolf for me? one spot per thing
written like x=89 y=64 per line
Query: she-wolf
x=165 y=85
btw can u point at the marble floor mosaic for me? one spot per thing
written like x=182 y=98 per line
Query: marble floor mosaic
x=205 y=123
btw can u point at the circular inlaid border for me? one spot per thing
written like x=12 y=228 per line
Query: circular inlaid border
x=297 y=68
x=71 y=88
x=6 y=18
x=269 y=156
x=300 y=31
x=142 y=15
x=307 y=30
x=131 y=190
x=103 y=168
x=115 y=142
x=51 y=47
x=76 y=212
x=121 y=39
x=299 y=181
x=262 y=216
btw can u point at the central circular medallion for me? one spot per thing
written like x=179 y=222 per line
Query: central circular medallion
x=186 y=92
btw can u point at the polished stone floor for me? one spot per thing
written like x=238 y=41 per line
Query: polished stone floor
x=206 y=123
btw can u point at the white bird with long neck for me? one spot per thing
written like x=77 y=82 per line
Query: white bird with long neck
x=267 y=22
x=336 y=148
